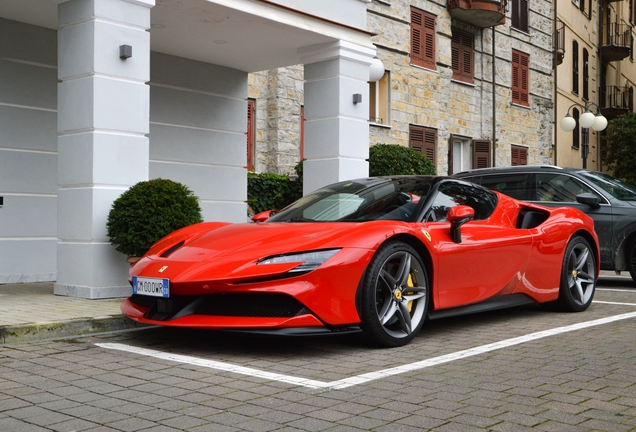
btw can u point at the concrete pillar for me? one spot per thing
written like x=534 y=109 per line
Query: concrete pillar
x=336 y=128
x=103 y=122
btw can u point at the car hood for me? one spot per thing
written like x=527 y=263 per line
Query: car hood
x=231 y=252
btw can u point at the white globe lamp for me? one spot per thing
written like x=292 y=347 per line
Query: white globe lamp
x=587 y=119
x=376 y=70
x=568 y=123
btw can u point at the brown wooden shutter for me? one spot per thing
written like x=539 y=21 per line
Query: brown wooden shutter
x=462 y=55
x=520 y=78
x=250 y=135
x=423 y=140
x=520 y=15
x=422 y=39
x=481 y=154
x=518 y=156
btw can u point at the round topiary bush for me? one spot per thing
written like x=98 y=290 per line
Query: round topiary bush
x=149 y=211
x=391 y=159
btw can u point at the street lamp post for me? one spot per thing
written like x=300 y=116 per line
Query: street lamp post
x=597 y=121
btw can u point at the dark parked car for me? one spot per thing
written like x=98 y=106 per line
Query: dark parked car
x=608 y=200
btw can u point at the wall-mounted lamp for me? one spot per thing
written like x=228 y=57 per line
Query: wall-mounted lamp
x=357 y=98
x=376 y=70
x=125 y=51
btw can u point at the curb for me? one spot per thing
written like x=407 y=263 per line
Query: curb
x=80 y=327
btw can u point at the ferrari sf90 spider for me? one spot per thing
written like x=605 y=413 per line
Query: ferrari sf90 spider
x=378 y=256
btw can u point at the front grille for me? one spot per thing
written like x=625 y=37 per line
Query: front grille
x=260 y=305
x=251 y=305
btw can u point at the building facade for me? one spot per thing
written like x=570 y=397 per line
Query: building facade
x=96 y=95
x=444 y=92
x=594 y=69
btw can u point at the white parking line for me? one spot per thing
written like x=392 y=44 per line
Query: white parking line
x=372 y=376
x=626 y=290
x=615 y=303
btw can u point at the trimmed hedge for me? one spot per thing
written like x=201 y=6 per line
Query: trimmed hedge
x=147 y=212
x=392 y=159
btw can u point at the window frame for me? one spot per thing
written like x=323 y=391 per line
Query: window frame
x=380 y=101
x=251 y=134
x=575 y=67
x=519 y=17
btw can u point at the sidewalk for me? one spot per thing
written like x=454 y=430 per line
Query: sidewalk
x=31 y=312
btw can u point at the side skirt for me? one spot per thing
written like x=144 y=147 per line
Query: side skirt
x=488 y=305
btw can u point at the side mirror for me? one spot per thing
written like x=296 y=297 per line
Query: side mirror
x=458 y=216
x=264 y=215
x=588 y=199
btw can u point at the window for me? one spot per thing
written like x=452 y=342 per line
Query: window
x=251 y=122
x=518 y=155
x=380 y=101
x=513 y=185
x=465 y=154
x=576 y=138
x=561 y=188
x=422 y=39
x=451 y=194
x=586 y=74
x=520 y=78
x=575 y=67
x=520 y=15
x=423 y=140
x=462 y=55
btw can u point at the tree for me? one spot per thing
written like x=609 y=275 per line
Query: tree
x=621 y=147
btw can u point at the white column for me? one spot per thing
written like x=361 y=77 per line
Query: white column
x=103 y=122
x=336 y=128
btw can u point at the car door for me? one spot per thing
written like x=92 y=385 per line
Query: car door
x=492 y=255
x=561 y=189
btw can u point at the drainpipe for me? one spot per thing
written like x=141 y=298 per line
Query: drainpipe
x=494 y=100
x=556 y=91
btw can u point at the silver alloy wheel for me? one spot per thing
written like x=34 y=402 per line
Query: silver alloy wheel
x=400 y=293
x=581 y=273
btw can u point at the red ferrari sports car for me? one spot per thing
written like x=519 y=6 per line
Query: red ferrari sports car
x=377 y=255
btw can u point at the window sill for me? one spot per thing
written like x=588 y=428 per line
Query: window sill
x=520 y=106
x=380 y=125
x=466 y=83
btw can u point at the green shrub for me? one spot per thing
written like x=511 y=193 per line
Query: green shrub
x=148 y=211
x=389 y=160
x=621 y=142
x=267 y=191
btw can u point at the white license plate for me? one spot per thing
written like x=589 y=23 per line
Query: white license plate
x=151 y=286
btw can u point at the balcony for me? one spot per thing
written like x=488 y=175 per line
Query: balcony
x=617 y=42
x=616 y=100
x=558 y=43
x=480 y=13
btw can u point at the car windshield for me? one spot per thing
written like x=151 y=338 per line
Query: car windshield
x=612 y=185
x=360 y=200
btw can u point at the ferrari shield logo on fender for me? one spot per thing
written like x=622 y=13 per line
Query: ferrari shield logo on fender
x=161 y=270
x=426 y=234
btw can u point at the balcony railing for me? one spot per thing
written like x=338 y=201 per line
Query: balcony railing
x=558 y=43
x=480 y=13
x=616 y=100
x=618 y=42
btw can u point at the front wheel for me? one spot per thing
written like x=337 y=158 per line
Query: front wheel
x=394 y=295
x=578 y=276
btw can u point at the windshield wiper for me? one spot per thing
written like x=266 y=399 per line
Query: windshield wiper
x=299 y=219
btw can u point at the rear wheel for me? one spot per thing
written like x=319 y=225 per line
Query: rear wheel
x=394 y=295
x=578 y=276
x=631 y=259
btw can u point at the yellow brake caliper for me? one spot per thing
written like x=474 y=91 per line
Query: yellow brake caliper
x=410 y=283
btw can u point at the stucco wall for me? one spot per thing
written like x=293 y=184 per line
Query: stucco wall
x=28 y=153
x=198 y=125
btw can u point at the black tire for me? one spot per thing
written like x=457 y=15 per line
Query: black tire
x=578 y=276
x=394 y=295
x=631 y=259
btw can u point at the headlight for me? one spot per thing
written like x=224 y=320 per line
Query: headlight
x=308 y=260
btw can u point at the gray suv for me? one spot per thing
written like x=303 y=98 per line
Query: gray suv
x=607 y=200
